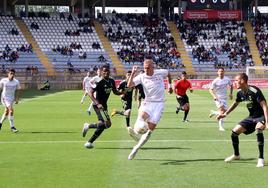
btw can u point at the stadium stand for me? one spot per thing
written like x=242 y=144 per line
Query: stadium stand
x=135 y=37
x=213 y=44
x=260 y=25
x=70 y=37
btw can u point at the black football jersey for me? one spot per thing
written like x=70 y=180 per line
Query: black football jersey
x=129 y=91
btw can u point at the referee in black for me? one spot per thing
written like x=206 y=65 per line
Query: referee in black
x=256 y=121
x=103 y=89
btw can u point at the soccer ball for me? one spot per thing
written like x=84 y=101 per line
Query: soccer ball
x=141 y=127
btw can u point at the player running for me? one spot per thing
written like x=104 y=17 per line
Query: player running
x=10 y=94
x=180 y=89
x=126 y=99
x=218 y=90
x=152 y=107
x=86 y=87
x=103 y=89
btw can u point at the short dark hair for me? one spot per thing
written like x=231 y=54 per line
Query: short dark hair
x=105 y=67
x=183 y=72
x=221 y=68
x=243 y=76
x=12 y=70
x=129 y=71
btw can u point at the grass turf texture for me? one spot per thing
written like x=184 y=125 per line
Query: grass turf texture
x=48 y=151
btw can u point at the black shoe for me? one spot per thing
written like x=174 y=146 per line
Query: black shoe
x=0 y=126
x=14 y=130
x=177 y=111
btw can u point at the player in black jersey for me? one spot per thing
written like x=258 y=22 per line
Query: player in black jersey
x=126 y=99
x=139 y=93
x=103 y=89
x=257 y=119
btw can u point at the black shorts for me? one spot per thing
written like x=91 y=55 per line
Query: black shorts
x=141 y=96
x=127 y=104
x=102 y=114
x=250 y=123
x=182 y=100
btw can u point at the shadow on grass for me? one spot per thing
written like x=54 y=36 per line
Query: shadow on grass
x=174 y=128
x=148 y=148
x=46 y=132
x=182 y=162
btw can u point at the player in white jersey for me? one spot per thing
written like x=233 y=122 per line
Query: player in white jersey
x=92 y=84
x=152 y=107
x=9 y=87
x=218 y=90
x=86 y=86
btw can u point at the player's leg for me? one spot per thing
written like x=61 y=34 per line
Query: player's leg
x=179 y=105
x=235 y=142
x=11 y=119
x=4 y=116
x=185 y=107
x=89 y=108
x=222 y=109
x=83 y=97
x=260 y=139
x=104 y=123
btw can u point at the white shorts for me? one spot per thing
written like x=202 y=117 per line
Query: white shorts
x=87 y=89
x=7 y=102
x=153 y=109
x=221 y=103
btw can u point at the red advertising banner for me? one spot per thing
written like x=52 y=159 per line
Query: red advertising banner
x=204 y=84
x=212 y=14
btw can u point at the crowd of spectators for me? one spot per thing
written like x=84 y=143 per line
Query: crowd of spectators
x=11 y=55
x=155 y=40
x=231 y=37
x=260 y=25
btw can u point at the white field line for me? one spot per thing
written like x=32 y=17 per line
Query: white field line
x=111 y=141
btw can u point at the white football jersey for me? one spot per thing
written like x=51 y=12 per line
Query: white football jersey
x=220 y=87
x=154 y=87
x=9 y=88
x=86 y=82
x=94 y=81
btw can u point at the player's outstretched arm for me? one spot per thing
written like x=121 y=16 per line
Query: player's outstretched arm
x=228 y=111
x=132 y=75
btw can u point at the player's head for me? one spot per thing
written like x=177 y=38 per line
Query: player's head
x=183 y=75
x=241 y=81
x=148 y=66
x=128 y=75
x=105 y=71
x=221 y=72
x=11 y=74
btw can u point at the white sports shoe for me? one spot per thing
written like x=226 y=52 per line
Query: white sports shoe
x=221 y=129
x=231 y=158
x=133 y=153
x=89 y=145
x=211 y=114
x=260 y=163
x=85 y=129
x=133 y=134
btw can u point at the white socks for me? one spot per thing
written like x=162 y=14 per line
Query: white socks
x=11 y=121
x=144 y=138
x=90 y=106
x=3 y=118
x=83 y=99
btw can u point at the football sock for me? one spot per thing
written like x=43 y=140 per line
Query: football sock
x=260 y=140
x=90 y=106
x=235 y=141
x=144 y=138
x=3 y=118
x=120 y=112
x=128 y=121
x=11 y=121
x=185 y=114
x=93 y=125
x=96 y=134
x=221 y=123
x=83 y=99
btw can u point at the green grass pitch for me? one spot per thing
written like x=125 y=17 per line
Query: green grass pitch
x=48 y=151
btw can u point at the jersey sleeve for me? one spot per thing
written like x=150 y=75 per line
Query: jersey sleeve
x=120 y=86
x=137 y=80
x=259 y=96
x=113 y=86
x=238 y=97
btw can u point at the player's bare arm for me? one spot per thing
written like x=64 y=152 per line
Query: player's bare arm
x=211 y=91
x=94 y=100
x=132 y=75
x=229 y=110
x=265 y=111
x=170 y=90
x=231 y=92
